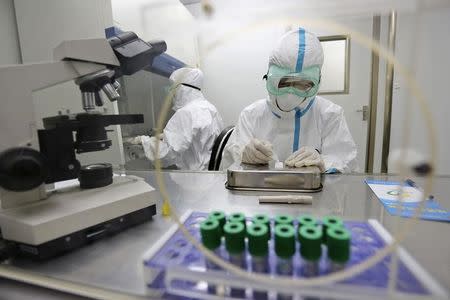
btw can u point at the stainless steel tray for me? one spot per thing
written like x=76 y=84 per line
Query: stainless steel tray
x=267 y=178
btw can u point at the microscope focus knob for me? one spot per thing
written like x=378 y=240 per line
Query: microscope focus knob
x=95 y=175
x=22 y=169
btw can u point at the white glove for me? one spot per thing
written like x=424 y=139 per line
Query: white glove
x=148 y=145
x=304 y=157
x=133 y=140
x=137 y=140
x=257 y=152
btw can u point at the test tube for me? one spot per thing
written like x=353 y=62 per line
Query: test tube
x=306 y=220
x=338 y=243
x=264 y=220
x=211 y=239
x=257 y=234
x=310 y=238
x=327 y=222
x=284 y=219
x=285 y=250
x=235 y=245
x=238 y=218
x=220 y=217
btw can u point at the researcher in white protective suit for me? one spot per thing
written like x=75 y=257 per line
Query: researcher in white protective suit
x=293 y=125
x=188 y=137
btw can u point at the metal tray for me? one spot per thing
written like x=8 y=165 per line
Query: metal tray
x=266 y=178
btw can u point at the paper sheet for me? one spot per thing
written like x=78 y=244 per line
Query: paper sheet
x=388 y=193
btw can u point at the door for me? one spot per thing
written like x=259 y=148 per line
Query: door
x=349 y=89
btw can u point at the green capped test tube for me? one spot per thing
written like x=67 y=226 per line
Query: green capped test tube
x=328 y=222
x=306 y=220
x=284 y=219
x=264 y=220
x=310 y=238
x=220 y=217
x=258 y=247
x=285 y=250
x=238 y=218
x=338 y=243
x=211 y=239
x=210 y=233
x=235 y=240
x=235 y=245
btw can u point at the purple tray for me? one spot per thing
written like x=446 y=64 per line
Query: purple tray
x=177 y=251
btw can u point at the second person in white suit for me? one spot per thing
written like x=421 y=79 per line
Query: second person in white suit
x=188 y=137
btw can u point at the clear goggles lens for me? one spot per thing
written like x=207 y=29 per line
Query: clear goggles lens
x=304 y=84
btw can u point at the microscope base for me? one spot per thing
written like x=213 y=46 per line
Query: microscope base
x=72 y=217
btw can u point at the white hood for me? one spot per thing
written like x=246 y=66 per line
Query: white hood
x=296 y=49
x=185 y=94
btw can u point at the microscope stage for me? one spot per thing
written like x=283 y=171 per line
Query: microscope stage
x=71 y=217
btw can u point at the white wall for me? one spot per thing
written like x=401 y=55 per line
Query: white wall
x=9 y=47
x=234 y=70
x=53 y=21
x=42 y=25
x=423 y=46
x=154 y=19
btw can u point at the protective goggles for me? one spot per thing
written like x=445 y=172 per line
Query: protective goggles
x=281 y=81
x=173 y=86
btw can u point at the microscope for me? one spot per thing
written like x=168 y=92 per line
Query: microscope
x=42 y=223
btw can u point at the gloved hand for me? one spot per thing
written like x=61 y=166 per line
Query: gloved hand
x=304 y=157
x=133 y=140
x=140 y=138
x=257 y=152
x=149 y=145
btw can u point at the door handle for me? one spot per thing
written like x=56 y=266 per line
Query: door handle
x=365 y=112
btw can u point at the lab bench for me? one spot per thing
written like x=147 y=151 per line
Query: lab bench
x=114 y=263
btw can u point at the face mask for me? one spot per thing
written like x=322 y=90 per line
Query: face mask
x=280 y=81
x=288 y=102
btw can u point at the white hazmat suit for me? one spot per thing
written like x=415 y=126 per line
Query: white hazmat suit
x=189 y=135
x=299 y=131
